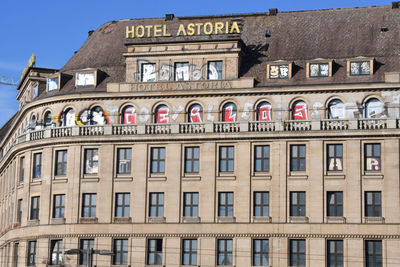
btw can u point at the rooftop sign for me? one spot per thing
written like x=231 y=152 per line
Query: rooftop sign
x=161 y=30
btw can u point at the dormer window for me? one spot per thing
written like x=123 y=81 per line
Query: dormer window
x=148 y=72
x=319 y=70
x=360 y=66
x=282 y=70
x=85 y=79
x=35 y=90
x=53 y=83
x=182 y=71
x=214 y=70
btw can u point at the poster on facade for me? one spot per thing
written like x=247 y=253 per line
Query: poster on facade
x=300 y=111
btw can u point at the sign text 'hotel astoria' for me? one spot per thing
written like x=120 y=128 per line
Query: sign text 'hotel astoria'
x=161 y=30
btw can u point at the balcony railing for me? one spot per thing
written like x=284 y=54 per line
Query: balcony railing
x=192 y=128
x=293 y=125
x=124 y=129
x=261 y=126
x=334 y=125
x=226 y=127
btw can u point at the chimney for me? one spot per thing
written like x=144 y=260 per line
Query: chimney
x=273 y=11
x=169 y=17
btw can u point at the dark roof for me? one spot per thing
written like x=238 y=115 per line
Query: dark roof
x=6 y=127
x=300 y=36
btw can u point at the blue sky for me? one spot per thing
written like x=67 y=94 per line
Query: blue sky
x=55 y=29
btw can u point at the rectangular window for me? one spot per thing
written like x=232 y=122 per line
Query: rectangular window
x=56 y=252
x=19 y=211
x=53 y=83
x=225 y=204
x=373 y=253
x=16 y=254
x=189 y=252
x=35 y=91
x=261 y=158
x=334 y=204
x=21 y=169
x=279 y=71
x=297 y=157
x=35 y=206
x=261 y=204
x=148 y=72
x=225 y=248
x=297 y=203
x=226 y=158
x=373 y=204
x=59 y=206
x=297 y=252
x=85 y=79
x=360 y=68
x=182 y=71
x=120 y=251
x=89 y=205
x=156 y=205
x=91 y=161
x=31 y=259
x=192 y=155
x=335 y=158
x=319 y=69
x=260 y=252
x=122 y=205
x=154 y=251
x=157 y=159
x=214 y=70
x=84 y=245
x=124 y=160
x=37 y=165
x=191 y=204
x=61 y=162
x=334 y=253
x=372 y=157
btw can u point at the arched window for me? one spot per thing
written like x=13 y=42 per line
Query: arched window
x=128 y=115
x=263 y=111
x=299 y=110
x=195 y=113
x=32 y=123
x=162 y=114
x=229 y=112
x=97 y=116
x=336 y=109
x=69 y=117
x=47 y=120
x=373 y=108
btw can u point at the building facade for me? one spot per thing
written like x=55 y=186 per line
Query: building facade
x=267 y=139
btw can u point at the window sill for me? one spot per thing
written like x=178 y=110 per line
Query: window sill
x=191 y=177
x=191 y=219
x=336 y=219
x=88 y=220
x=33 y=222
x=20 y=185
x=226 y=219
x=58 y=221
x=59 y=180
x=226 y=177
x=123 y=178
x=374 y=220
x=298 y=176
x=262 y=219
x=36 y=181
x=90 y=179
x=156 y=220
x=122 y=219
x=372 y=176
x=261 y=176
x=335 y=175
x=157 y=178
x=298 y=219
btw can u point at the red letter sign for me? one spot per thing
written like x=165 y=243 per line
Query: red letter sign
x=130 y=115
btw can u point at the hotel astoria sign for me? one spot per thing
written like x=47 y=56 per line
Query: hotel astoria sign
x=161 y=30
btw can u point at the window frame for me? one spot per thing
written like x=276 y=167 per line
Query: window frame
x=220 y=72
x=360 y=60
x=337 y=256
x=183 y=63
x=298 y=159
x=125 y=207
x=366 y=157
x=375 y=253
x=225 y=206
x=119 y=255
x=297 y=254
x=20 y=203
x=58 y=208
x=87 y=162
x=37 y=168
x=31 y=253
x=375 y=206
x=56 y=249
x=96 y=75
x=261 y=205
x=142 y=72
x=193 y=207
x=192 y=160
x=262 y=253
x=63 y=162
x=262 y=158
x=226 y=253
x=319 y=63
x=337 y=207
x=297 y=206
x=53 y=76
x=227 y=159
x=190 y=251
x=127 y=158
x=335 y=157
x=158 y=206
x=34 y=213
x=21 y=176
x=159 y=163
x=90 y=207
x=280 y=63
x=157 y=253
x=85 y=243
